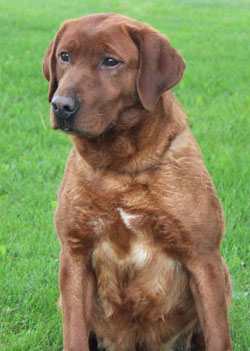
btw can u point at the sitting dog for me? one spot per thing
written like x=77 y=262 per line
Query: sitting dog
x=138 y=217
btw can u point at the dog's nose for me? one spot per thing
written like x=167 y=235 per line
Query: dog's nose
x=64 y=106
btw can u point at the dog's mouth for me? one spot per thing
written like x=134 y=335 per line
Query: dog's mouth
x=67 y=127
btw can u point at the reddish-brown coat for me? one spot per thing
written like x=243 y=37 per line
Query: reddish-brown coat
x=138 y=217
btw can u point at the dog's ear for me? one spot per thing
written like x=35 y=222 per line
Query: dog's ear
x=160 y=67
x=49 y=67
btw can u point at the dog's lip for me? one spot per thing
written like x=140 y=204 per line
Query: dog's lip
x=66 y=127
x=69 y=130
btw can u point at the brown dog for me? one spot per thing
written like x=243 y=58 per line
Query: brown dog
x=138 y=217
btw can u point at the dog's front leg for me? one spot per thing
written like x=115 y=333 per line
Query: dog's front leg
x=76 y=286
x=208 y=284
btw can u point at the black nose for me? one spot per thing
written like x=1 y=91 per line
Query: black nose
x=64 y=106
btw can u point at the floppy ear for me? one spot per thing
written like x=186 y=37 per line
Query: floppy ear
x=49 y=67
x=160 y=66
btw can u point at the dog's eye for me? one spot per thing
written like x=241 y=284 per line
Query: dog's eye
x=110 y=62
x=65 y=56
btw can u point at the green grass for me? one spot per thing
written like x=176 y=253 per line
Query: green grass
x=213 y=37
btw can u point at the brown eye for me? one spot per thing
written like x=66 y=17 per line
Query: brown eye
x=110 y=62
x=65 y=56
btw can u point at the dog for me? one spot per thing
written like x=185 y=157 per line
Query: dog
x=138 y=218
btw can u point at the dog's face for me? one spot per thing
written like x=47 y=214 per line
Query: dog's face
x=101 y=66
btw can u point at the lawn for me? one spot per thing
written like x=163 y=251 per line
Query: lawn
x=213 y=37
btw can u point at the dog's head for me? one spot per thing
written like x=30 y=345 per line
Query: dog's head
x=100 y=66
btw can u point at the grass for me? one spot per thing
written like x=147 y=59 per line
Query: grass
x=213 y=37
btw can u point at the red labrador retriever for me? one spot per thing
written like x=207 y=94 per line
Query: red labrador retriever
x=138 y=217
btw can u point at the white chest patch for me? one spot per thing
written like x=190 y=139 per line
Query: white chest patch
x=127 y=218
x=140 y=254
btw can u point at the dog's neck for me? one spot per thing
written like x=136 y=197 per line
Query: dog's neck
x=139 y=148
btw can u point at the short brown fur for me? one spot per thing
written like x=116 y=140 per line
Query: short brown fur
x=138 y=217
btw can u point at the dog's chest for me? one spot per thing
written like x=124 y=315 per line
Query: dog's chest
x=132 y=272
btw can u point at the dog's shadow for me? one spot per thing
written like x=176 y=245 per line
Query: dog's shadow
x=93 y=346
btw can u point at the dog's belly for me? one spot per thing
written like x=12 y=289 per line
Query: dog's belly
x=138 y=285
